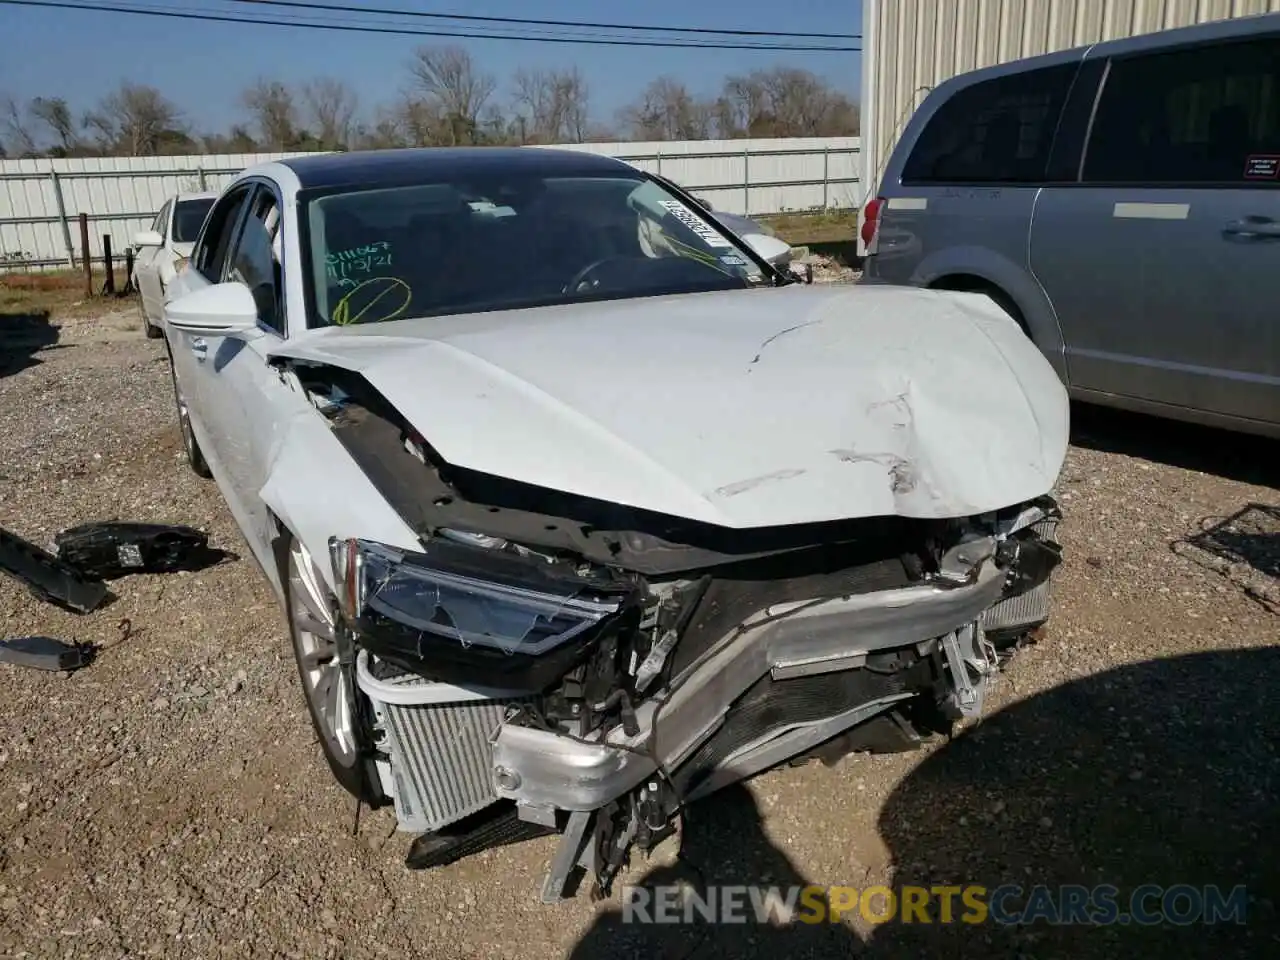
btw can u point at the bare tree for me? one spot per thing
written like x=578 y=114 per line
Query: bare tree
x=666 y=110
x=16 y=130
x=273 y=112
x=550 y=106
x=330 y=111
x=55 y=113
x=236 y=140
x=783 y=102
x=454 y=89
x=138 y=120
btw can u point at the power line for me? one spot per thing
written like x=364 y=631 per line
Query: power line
x=211 y=17
x=472 y=18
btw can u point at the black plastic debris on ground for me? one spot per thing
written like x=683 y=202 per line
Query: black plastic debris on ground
x=45 y=653
x=116 y=549
x=49 y=578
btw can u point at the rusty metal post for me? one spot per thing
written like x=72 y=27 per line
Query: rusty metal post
x=109 y=285
x=128 y=271
x=85 y=257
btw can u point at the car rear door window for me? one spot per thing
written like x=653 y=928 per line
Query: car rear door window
x=997 y=131
x=1209 y=114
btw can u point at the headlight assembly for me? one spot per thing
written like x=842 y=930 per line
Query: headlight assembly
x=465 y=614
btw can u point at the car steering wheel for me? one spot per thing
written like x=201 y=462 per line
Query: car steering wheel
x=578 y=278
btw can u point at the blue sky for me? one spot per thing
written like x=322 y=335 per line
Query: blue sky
x=202 y=66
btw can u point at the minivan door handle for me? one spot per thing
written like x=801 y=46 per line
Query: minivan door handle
x=1253 y=228
x=200 y=347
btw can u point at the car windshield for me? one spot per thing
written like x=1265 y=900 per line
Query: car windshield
x=430 y=249
x=189 y=218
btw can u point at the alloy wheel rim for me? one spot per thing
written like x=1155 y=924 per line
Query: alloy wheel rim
x=184 y=419
x=324 y=682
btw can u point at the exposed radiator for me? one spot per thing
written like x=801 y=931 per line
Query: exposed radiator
x=441 y=758
x=1031 y=608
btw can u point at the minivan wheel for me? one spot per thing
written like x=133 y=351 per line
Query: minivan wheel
x=190 y=446
x=328 y=686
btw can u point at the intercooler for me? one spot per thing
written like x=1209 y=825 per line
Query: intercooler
x=439 y=743
x=1029 y=609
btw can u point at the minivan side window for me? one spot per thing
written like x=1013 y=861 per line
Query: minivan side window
x=996 y=131
x=1203 y=115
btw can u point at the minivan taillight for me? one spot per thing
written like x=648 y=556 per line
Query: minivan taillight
x=871 y=222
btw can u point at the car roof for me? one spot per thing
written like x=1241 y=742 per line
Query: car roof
x=413 y=164
x=204 y=195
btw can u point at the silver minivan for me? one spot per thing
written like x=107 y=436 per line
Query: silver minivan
x=1122 y=202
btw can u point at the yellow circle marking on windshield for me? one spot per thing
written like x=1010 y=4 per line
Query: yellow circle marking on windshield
x=342 y=310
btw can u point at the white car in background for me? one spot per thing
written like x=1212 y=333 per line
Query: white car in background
x=163 y=250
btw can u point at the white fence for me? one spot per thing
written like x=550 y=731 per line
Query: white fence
x=41 y=200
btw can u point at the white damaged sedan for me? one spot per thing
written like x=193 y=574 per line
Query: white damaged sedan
x=580 y=509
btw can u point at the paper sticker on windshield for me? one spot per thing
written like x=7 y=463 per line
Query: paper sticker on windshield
x=1262 y=167
x=704 y=230
x=733 y=260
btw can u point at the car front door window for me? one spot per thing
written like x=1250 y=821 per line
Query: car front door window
x=253 y=262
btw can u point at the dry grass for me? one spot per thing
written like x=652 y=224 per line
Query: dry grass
x=827 y=226
x=53 y=294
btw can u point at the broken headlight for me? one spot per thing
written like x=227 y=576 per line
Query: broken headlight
x=467 y=615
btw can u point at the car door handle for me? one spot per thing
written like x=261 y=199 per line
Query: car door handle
x=200 y=347
x=1253 y=228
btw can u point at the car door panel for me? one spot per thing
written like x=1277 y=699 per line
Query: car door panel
x=241 y=395
x=189 y=352
x=1162 y=265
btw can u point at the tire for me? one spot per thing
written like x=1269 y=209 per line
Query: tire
x=334 y=703
x=149 y=329
x=195 y=458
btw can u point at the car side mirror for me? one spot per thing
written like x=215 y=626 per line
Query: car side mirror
x=148 y=238
x=227 y=309
x=777 y=252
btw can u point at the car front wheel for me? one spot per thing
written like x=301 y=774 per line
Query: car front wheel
x=195 y=458
x=151 y=330
x=327 y=684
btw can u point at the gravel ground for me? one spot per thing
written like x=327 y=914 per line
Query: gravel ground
x=169 y=799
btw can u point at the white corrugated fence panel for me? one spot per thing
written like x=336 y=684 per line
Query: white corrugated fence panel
x=910 y=46
x=121 y=195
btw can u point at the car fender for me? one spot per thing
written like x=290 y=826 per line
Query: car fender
x=316 y=491
x=1013 y=278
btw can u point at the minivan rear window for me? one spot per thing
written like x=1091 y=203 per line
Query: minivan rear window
x=1209 y=114
x=997 y=131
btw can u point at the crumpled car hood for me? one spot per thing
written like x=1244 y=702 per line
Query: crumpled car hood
x=742 y=409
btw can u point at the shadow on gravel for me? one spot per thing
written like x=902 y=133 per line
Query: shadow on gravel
x=722 y=845
x=1165 y=773
x=1251 y=536
x=1224 y=453
x=1243 y=548
x=22 y=336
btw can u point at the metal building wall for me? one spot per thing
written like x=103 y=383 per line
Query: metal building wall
x=909 y=46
